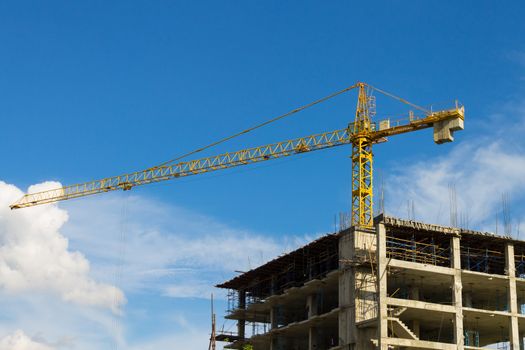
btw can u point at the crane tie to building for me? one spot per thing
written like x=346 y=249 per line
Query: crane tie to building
x=282 y=116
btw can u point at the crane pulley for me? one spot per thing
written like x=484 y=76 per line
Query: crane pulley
x=362 y=133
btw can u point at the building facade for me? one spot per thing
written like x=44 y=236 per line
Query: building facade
x=401 y=285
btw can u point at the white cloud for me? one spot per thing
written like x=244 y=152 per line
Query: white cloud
x=164 y=248
x=189 y=339
x=145 y=247
x=60 y=324
x=20 y=341
x=482 y=169
x=480 y=174
x=35 y=256
x=191 y=289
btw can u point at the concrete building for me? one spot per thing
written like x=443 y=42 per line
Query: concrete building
x=402 y=285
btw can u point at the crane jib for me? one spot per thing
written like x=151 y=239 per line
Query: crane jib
x=193 y=167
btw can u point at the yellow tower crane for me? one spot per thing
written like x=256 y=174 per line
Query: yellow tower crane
x=362 y=134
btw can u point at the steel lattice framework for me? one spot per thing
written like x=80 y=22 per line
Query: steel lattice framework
x=362 y=161
x=192 y=167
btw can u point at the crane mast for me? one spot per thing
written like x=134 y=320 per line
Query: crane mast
x=362 y=133
x=362 y=161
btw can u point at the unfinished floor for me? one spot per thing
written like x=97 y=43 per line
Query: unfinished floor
x=402 y=285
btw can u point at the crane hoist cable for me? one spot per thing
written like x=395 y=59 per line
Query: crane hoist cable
x=282 y=116
x=400 y=99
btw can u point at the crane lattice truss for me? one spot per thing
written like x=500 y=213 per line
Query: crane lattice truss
x=362 y=134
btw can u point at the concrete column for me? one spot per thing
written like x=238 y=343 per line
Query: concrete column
x=382 y=262
x=456 y=296
x=414 y=295
x=512 y=300
x=274 y=284
x=313 y=339
x=273 y=317
x=414 y=292
x=347 y=328
x=242 y=299
x=241 y=323
x=277 y=343
x=467 y=301
x=311 y=303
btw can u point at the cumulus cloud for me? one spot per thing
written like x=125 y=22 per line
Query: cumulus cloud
x=20 y=341
x=481 y=169
x=35 y=256
x=180 y=253
x=480 y=175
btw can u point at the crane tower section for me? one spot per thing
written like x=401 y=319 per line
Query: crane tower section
x=362 y=159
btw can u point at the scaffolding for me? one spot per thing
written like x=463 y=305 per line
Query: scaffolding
x=471 y=338
x=417 y=251
x=483 y=260
x=519 y=262
x=366 y=295
x=319 y=310
x=313 y=261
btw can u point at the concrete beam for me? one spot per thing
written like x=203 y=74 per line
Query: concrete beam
x=420 y=267
x=421 y=305
x=483 y=276
x=396 y=222
x=304 y=324
x=471 y=310
x=419 y=344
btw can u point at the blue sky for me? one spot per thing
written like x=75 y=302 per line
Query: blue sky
x=93 y=89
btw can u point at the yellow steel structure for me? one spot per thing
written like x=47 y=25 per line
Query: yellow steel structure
x=362 y=134
x=192 y=167
x=362 y=158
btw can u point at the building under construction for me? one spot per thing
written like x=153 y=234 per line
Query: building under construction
x=401 y=285
x=388 y=284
